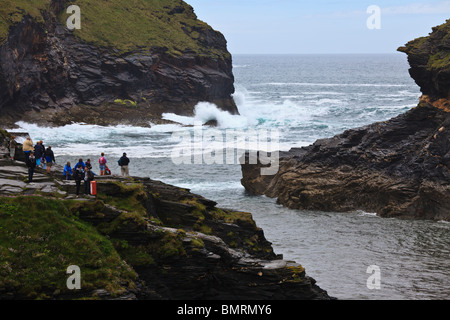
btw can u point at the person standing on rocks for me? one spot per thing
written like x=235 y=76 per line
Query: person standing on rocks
x=39 y=152
x=123 y=163
x=31 y=164
x=78 y=175
x=41 y=143
x=49 y=158
x=12 y=147
x=88 y=177
x=27 y=148
x=102 y=163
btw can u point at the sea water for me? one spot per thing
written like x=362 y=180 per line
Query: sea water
x=303 y=98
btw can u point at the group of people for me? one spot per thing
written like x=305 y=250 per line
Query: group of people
x=82 y=171
x=39 y=156
x=35 y=155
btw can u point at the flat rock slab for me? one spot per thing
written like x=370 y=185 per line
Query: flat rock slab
x=14 y=169
x=14 y=183
x=49 y=189
x=10 y=190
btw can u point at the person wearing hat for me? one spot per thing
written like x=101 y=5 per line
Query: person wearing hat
x=123 y=163
x=12 y=147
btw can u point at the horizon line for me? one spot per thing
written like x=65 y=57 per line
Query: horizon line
x=329 y=53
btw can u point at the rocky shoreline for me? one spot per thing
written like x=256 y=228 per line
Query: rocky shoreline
x=168 y=243
x=396 y=168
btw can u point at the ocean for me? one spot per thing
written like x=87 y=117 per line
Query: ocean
x=298 y=99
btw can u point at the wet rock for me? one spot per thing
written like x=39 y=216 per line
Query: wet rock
x=396 y=168
x=49 y=76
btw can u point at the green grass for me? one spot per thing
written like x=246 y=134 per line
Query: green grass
x=125 y=25
x=40 y=238
x=439 y=61
x=438 y=58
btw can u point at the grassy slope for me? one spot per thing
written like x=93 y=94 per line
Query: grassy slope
x=40 y=238
x=123 y=24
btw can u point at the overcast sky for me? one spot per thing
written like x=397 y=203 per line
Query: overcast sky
x=319 y=26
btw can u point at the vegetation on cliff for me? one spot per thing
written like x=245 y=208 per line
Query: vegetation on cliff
x=125 y=25
x=429 y=58
x=40 y=238
x=137 y=239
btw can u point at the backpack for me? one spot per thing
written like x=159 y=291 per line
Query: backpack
x=107 y=171
x=102 y=160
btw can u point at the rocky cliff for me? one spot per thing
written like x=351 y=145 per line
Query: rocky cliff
x=128 y=63
x=138 y=239
x=396 y=168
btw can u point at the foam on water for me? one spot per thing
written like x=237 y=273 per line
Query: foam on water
x=205 y=111
x=305 y=98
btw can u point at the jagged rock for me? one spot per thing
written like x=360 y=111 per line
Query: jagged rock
x=50 y=76
x=395 y=168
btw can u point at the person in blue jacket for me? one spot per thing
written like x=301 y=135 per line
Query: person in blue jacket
x=80 y=163
x=68 y=171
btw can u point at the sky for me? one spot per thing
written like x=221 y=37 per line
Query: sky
x=320 y=26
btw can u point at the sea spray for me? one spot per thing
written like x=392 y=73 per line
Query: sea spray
x=205 y=111
x=208 y=146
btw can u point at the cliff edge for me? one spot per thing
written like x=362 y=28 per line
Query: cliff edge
x=138 y=239
x=396 y=168
x=128 y=64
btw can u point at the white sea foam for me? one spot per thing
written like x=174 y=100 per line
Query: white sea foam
x=205 y=111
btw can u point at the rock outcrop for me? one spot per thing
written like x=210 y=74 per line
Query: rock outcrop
x=137 y=239
x=167 y=62
x=396 y=168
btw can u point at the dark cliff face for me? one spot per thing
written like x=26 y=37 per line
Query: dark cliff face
x=49 y=74
x=429 y=58
x=396 y=168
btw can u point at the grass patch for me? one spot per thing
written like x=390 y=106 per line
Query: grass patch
x=40 y=238
x=126 y=25
x=439 y=61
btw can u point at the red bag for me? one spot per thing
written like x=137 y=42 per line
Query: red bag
x=107 y=171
